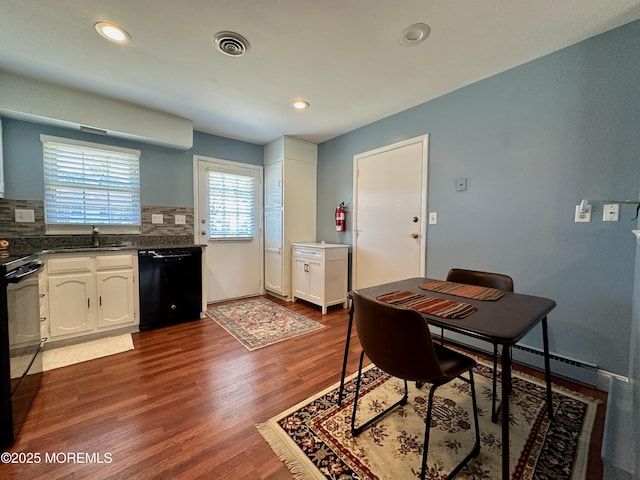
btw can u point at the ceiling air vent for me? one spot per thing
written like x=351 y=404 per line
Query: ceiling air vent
x=230 y=43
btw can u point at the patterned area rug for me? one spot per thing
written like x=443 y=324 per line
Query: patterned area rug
x=314 y=439
x=257 y=323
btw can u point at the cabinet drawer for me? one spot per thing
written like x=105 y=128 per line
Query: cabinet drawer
x=308 y=252
x=108 y=262
x=69 y=265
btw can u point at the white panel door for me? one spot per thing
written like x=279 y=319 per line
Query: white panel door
x=390 y=192
x=233 y=267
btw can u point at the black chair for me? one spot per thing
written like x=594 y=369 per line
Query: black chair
x=489 y=280
x=398 y=342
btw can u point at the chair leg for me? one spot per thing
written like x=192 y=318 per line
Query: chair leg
x=355 y=431
x=476 y=447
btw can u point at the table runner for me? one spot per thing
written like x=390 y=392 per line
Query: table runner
x=463 y=290
x=439 y=307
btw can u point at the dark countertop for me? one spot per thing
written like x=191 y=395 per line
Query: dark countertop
x=22 y=247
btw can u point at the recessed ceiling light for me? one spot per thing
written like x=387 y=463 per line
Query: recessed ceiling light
x=415 y=34
x=300 y=104
x=112 y=32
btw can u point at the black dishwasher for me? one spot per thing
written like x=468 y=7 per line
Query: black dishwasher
x=170 y=286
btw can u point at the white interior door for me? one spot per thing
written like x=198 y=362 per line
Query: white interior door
x=390 y=213
x=233 y=265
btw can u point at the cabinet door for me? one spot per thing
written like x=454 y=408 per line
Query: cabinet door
x=316 y=282
x=115 y=298
x=273 y=185
x=273 y=251
x=72 y=304
x=300 y=278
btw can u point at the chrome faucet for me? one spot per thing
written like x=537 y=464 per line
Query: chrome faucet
x=94 y=236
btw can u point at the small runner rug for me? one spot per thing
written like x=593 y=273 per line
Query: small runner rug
x=82 y=352
x=258 y=322
x=315 y=442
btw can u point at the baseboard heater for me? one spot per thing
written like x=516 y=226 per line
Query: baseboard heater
x=562 y=366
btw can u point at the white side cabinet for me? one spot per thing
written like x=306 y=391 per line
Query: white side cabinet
x=319 y=273
x=88 y=294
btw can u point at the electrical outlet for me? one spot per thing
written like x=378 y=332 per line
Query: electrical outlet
x=583 y=216
x=610 y=212
x=24 y=215
x=180 y=219
x=433 y=218
x=156 y=218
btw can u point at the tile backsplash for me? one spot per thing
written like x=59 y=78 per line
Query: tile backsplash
x=8 y=225
x=34 y=232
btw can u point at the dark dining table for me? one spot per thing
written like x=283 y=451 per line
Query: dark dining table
x=502 y=322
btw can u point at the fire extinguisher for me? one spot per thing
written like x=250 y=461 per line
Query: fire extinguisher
x=340 y=218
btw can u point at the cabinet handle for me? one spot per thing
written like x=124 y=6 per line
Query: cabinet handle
x=306 y=267
x=88 y=303
x=100 y=300
x=42 y=319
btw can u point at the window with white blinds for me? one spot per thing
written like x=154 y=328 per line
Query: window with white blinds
x=231 y=206
x=90 y=184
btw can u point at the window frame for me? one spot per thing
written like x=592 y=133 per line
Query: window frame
x=60 y=228
x=251 y=198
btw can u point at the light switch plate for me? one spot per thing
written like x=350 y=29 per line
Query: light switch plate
x=461 y=184
x=610 y=212
x=24 y=215
x=180 y=219
x=156 y=218
x=433 y=218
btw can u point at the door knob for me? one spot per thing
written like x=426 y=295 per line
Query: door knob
x=415 y=235
x=414 y=219
x=203 y=232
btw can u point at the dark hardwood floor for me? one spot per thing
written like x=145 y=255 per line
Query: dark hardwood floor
x=185 y=402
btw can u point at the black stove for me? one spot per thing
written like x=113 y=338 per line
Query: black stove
x=20 y=342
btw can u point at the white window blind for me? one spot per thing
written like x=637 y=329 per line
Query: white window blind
x=90 y=184
x=231 y=206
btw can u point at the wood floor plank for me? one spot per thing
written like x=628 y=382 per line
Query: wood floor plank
x=185 y=402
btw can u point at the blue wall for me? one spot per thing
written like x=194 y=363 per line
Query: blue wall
x=166 y=174
x=533 y=142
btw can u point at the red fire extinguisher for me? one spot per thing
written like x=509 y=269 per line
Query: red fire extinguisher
x=340 y=218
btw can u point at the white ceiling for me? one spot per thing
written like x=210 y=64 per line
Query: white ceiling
x=343 y=56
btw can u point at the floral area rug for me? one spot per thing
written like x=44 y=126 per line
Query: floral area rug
x=259 y=322
x=315 y=442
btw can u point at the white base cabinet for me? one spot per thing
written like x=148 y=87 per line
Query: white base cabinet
x=90 y=293
x=319 y=274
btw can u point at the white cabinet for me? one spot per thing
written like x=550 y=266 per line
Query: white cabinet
x=89 y=294
x=290 y=188
x=320 y=273
x=115 y=290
